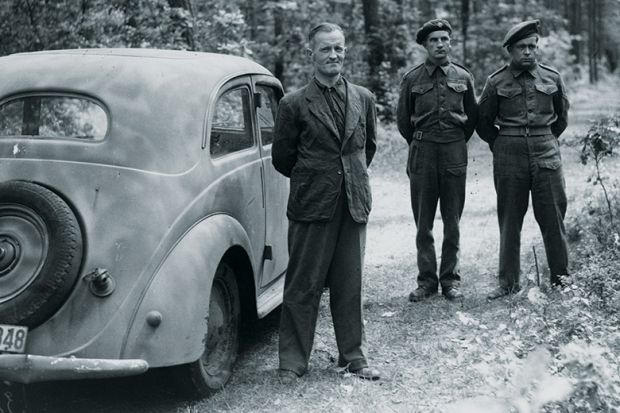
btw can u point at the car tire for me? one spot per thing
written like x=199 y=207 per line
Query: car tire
x=40 y=252
x=212 y=370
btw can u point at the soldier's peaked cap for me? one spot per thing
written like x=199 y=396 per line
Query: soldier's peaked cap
x=432 y=26
x=521 y=31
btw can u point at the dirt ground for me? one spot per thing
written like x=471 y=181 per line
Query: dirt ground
x=428 y=353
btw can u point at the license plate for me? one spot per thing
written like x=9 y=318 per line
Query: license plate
x=13 y=338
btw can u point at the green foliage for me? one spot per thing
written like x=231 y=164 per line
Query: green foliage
x=557 y=352
x=223 y=32
x=581 y=321
x=59 y=24
x=591 y=228
x=602 y=139
x=152 y=23
x=578 y=324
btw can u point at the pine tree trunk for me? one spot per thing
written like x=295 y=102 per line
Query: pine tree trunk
x=575 y=27
x=278 y=69
x=372 y=22
x=464 y=27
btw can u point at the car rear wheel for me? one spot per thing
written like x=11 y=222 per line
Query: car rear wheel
x=212 y=370
x=40 y=252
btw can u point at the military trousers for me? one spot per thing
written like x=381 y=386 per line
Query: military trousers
x=524 y=165
x=323 y=254
x=437 y=174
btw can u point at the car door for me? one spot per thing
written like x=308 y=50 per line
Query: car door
x=236 y=158
x=276 y=187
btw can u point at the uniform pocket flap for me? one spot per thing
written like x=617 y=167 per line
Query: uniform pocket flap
x=547 y=89
x=508 y=92
x=457 y=87
x=457 y=170
x=550 y=164
x=421 y=89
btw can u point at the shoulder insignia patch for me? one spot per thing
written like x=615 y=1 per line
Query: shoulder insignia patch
x=498 y=71
x=549 y=68
x=412 y=69
x=462 y=67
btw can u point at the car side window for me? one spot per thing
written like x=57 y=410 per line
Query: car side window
x=266 y=113
x=53 y=116
x=231 y=129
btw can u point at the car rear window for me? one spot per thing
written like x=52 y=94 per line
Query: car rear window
x=53 y=116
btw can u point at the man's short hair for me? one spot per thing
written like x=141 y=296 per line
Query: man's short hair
x=323 y=27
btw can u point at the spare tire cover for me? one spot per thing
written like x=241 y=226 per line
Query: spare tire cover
x=40 y=252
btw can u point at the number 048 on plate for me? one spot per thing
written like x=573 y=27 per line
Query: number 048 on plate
x=13 y=338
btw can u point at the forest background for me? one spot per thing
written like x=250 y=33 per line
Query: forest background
x=543 y=350
x=580 y=37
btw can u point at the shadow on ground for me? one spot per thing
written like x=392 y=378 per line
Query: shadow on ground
x=151 y=392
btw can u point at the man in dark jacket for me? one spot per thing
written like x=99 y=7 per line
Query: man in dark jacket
x=437 y=115
x=324 y=141
x=523 y=111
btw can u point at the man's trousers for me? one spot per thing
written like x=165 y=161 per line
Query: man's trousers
x=323 y=254
x=522 y=165
x=437 y=174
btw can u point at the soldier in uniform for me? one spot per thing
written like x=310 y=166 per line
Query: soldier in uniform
x=437 y=114
x=523 y=112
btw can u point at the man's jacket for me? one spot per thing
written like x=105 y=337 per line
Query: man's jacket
x=308 y=148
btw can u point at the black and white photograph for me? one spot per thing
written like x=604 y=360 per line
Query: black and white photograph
x=344 y=206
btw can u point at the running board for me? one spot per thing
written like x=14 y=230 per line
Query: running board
x=269 y=299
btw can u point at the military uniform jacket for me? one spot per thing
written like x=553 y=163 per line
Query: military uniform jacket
x=308 y=148
x=526 y=100
x=437 y=103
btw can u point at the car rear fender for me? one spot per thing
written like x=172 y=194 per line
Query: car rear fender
x=169 y=325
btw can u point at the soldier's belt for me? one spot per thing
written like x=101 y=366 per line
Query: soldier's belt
x=432 y=135
x=524 y=131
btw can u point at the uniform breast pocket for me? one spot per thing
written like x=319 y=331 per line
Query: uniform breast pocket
x=510 y=102
x=423 y=97
x=544 y=97
x=456 y=91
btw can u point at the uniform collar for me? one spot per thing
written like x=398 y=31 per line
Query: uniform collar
x=431 y=67
x=516 y=72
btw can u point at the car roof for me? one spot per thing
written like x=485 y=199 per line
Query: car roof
x=150 y=94
x=143 y=68
x=206 y=66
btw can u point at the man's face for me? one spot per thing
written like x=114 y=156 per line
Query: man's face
x=328 y=52
x=437 y=44
x=523 y=53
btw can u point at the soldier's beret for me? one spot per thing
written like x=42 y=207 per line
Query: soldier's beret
x=432 y=26
x=521 y=31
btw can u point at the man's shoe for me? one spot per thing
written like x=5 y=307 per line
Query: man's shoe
x=502 y=292
x=560 y=280
x=421 y=294
x=287 y=377
x=452 y=293
x=366 y=373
